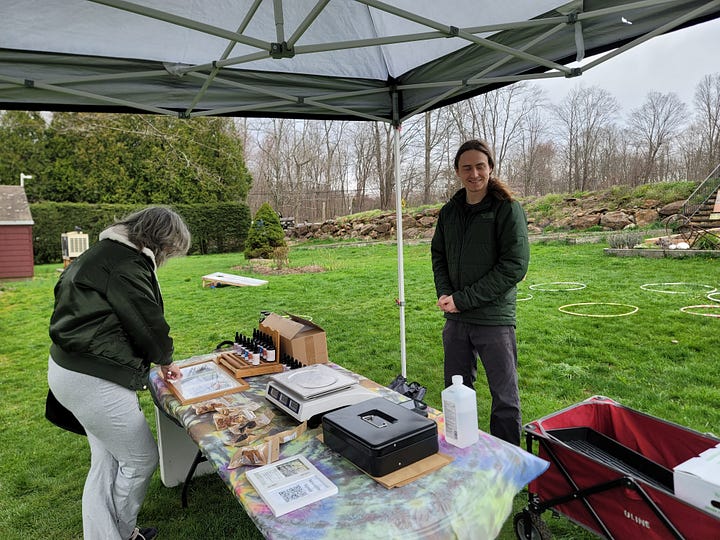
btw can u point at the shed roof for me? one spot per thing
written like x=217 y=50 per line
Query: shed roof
x=14 y=207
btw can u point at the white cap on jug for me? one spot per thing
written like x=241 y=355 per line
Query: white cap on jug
x=457 y=379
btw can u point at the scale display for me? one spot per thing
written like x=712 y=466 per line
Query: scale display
x=312 y=390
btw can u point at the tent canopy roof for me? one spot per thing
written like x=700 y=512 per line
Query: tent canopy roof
x=344 y=59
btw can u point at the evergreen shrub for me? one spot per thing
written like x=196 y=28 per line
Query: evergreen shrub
x=215 y=228
x=265 y=234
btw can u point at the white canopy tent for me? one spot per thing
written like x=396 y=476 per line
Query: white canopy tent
x=322 y=59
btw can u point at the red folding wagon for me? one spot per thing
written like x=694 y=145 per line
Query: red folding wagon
x=611 y=471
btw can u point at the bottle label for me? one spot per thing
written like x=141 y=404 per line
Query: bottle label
x=451 y=425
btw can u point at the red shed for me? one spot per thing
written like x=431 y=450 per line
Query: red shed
x=16 y=247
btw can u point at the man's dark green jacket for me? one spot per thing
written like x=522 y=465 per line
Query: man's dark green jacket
x=108 y=320
x=479 y=254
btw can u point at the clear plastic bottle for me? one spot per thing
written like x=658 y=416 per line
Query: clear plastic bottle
x=459 y=405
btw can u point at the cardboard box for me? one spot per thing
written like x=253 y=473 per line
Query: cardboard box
x=300 y=338
x=697 y=481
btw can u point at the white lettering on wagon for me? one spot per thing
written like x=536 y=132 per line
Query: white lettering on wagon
x=640 y=521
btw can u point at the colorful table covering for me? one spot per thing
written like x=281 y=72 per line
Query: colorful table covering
x=469 y=498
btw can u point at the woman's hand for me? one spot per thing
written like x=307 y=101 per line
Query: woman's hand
x=171 y=372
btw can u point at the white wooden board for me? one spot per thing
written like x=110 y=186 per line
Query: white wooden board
x=231 y=279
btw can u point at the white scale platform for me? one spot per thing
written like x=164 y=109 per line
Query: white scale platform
x=305 y=392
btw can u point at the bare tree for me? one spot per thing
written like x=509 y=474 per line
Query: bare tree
x=504 y=114
x=434 y=140
x=267 y=167
x=531 y=169
x=316 y=169
x=692 y=163
x=363 y=164
x=382 y=153
x=618 y=158
x=466 y=119
x=652 y=126
x=707 y=106
x=583 y=116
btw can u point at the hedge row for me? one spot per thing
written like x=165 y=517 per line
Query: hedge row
x=216 y=228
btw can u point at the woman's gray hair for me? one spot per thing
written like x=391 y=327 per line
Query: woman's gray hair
x=159 y=229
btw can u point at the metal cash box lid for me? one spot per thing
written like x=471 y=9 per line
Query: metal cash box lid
x=379 y=427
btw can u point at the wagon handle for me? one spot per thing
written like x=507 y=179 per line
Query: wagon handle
x=536 y=427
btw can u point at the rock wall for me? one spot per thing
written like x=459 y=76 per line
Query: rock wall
x=418 y=225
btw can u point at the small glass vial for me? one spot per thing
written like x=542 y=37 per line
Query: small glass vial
x=255 y=356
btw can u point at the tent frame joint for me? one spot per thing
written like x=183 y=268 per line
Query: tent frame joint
x=281 y=50
x=574 y=72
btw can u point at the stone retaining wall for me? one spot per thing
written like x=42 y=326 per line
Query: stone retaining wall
x=421 y=225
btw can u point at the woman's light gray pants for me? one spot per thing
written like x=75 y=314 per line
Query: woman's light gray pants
x=123 y=451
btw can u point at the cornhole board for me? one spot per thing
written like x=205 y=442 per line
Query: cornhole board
x=219 y=278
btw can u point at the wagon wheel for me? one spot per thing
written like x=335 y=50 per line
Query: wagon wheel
x=706 y=239
x=679 y=224
x=539 y=530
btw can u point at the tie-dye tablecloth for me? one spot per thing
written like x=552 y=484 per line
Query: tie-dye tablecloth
x=470 y=498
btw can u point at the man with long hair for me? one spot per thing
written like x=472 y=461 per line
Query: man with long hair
x=480 y=252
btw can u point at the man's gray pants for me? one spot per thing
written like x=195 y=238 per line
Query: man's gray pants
x=497 y=349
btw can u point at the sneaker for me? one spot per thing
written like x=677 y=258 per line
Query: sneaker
x=146 y=533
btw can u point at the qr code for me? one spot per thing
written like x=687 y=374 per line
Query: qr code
x=293 y=492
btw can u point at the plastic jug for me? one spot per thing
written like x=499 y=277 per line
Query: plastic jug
x=459 y=405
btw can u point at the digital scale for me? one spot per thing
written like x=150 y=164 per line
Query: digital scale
x=308 y=391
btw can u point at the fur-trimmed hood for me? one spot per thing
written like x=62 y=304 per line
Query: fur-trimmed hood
x=118 y=233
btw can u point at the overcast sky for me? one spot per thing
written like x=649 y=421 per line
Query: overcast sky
x=674 y=62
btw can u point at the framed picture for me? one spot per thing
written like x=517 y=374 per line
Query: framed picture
x=204 y=380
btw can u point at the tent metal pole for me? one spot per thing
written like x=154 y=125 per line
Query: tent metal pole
x=401 y=263
x=184 y=22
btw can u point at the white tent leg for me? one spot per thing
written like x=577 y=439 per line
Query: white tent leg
x=400 y=264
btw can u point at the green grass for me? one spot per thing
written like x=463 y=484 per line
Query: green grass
x=658 y=360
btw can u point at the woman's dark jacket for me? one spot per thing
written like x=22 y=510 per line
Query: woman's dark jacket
x=108 y=320
x=479 y=254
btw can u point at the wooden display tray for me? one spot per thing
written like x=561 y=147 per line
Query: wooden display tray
x=203 y=380
x=239 y=367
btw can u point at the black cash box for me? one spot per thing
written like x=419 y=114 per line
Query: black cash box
x=380 y=436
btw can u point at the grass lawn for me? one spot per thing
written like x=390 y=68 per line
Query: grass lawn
x=659 y=359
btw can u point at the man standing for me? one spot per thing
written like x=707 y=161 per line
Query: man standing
x=480 y=252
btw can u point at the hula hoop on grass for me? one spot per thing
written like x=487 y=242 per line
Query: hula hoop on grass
x=649 y=287
x=523 y=298
x=633 y=309
x=707 y=306
x=713 y=296
x=539 y=286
